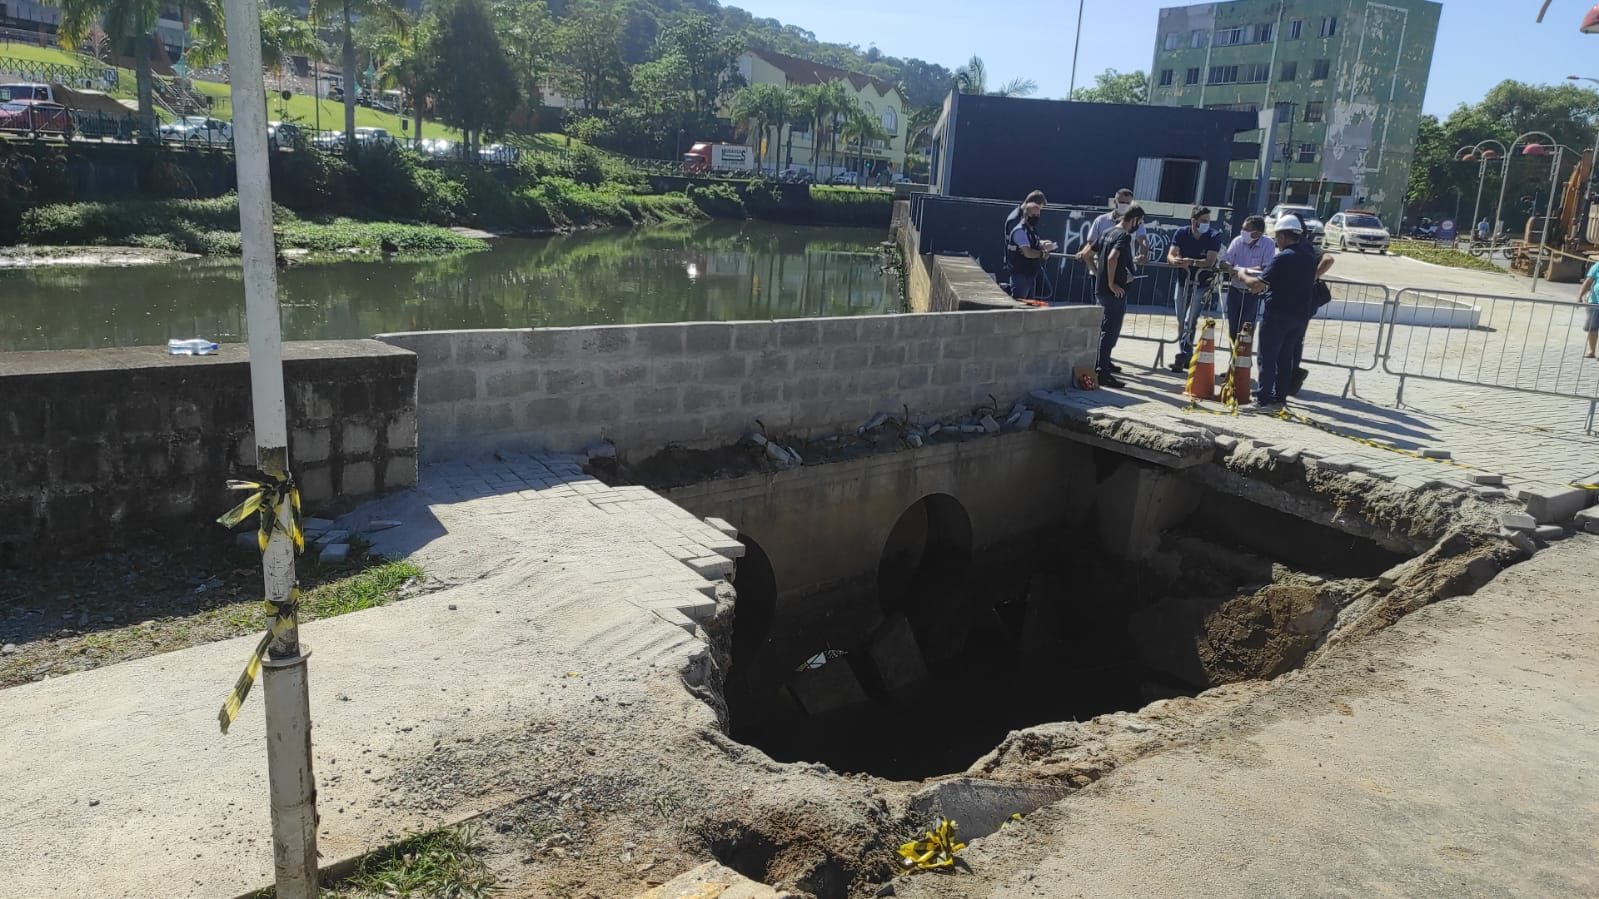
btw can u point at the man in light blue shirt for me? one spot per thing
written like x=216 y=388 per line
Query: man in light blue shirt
x=1590 y=295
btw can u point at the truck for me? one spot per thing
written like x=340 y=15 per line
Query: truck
x=704 y=158
x=92 y=114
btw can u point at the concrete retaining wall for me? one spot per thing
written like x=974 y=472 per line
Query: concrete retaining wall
x=706 y=383
x=944 y=283
x=102 y=447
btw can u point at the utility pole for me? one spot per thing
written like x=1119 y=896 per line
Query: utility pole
x=1288 y=155
x=285 y=686
x=1078 y=43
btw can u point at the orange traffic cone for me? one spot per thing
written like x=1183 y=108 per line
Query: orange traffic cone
x=1202 y=368
x=1236 y=393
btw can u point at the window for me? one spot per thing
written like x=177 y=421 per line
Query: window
x=1329 y=26
x=1256 y=73
x=1223 y=74
x=1171 y=41
x=1229 y=37
x=1313 y=111
x=890 y=120
x=1263 y=33
x=1320 y=69
x=1165 y=77
x=1196 y=39
x=1307 y=152
x=1295 y=28
x=1192 y=76
x=1290 y=71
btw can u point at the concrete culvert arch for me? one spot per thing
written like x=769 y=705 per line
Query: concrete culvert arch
x=928 y=547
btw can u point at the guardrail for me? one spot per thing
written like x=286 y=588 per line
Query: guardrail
x=1512 y=343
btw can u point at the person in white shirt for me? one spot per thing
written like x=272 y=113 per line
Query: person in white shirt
x=1249 y=250
x=1122 y=202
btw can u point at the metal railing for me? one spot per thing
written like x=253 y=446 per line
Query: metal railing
x=1512 y=343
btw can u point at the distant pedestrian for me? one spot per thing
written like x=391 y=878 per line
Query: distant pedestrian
x=1285 y=314
x=1027 y=253
x=1590 y=295
x=1193 y=252
x=1111 y=283
x=1122 y=202
x=1249 y=250
x=1484 y=230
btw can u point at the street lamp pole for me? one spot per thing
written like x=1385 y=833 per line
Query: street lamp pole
x=1549 y=208
x=1504 y=175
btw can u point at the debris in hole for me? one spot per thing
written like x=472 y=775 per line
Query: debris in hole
x=821 y=658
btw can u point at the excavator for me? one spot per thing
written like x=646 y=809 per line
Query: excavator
x=1572 y=232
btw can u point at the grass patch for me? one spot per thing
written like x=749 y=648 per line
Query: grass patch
x=376 y=586
x=210 y=228
x=443 y=864
x=1442 y=256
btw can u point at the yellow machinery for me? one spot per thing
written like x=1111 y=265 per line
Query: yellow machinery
x=1564 y=232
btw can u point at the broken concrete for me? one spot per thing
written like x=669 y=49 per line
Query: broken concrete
x=1137 y=503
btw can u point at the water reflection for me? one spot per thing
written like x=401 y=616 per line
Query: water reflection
x=715 y=271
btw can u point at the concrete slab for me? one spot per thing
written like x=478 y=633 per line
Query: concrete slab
x=829 y=688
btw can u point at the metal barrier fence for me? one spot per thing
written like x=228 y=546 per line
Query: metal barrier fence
x=1514 y=343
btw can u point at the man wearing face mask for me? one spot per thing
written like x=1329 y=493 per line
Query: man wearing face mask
x=1285 y=313
x=1249 y=250
x=1193 y=252
x=1103 y=224
x=1027 y=253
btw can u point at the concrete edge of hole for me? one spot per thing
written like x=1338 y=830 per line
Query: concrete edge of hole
x=979 y=807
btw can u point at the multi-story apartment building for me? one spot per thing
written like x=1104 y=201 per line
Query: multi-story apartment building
x=1346 y=76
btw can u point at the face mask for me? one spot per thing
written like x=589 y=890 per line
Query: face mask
x=1256 y=235
x=1202 y=226
x=1123 y=207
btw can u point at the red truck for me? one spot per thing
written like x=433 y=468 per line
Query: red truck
x=708 y=157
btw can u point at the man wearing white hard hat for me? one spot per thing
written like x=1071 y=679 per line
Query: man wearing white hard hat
x=1290 y=277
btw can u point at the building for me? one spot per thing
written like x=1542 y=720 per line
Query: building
x=879 y=98
x=1346 y=78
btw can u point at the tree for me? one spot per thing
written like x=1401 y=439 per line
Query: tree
x=1111 y=86
x=528 y=35
x=765 y=106
x=123 y=19
x=343 y=15
x=859 y=128
x=415 y=67
x=590 y=48
x=710 y=55
x=919 y=125
x=283 y=36
x=1016 y=87
x=972 y=78
x=474 y=83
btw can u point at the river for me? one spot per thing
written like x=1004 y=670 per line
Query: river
x=714 y=271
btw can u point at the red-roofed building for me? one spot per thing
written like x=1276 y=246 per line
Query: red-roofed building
x=879 y=98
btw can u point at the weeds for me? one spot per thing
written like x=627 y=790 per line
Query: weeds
x=442 y=864
x=376 y=586
x=1442 y=256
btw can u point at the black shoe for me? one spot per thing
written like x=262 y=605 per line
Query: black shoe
x=1115 y=368
x=1178 y=367
x=1300 y=376
x=1106 y=379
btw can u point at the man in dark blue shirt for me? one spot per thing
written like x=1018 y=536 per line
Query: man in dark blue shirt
x=1193 y=252
x=1285 y=313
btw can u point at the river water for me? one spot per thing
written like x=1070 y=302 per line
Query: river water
x=715 y=271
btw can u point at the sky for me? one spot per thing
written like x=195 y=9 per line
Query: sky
x=1480 y=42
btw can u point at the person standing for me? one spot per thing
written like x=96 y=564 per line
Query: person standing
x=1027 y=253
x=1249 y=250
x=1111 y=282
x=1290 y=277
x=1590 y=294
x=1193 y=253
x=1015 y=217
x=1483 y=230
x=1101 y=226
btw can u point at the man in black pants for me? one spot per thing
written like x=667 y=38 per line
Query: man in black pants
x=1111 y=283
x=1027 y=254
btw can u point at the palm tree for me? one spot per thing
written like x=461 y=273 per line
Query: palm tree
x=860 y=127
x=839 y=101
x=344 y=14
x=781 y=110
x=750 y=106
x=135 y=19
x=972 y=78
x=1016 y=87
x=919 y=127
x=283 y=36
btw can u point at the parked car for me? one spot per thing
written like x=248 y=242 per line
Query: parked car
x=373 y=137
x=36 y=117
x=329 y=141
x=438 y=148
x=903 y=179
x=796 y=175
x=283 y=135
x=198 y=131
x=849 y=178
x=498 y=154
x=1306 y=215
x=1360 y=229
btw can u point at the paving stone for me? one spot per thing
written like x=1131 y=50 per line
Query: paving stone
x=1431 y=453
x=1487 y=479
x=723 y=526
x=1518 y=521
x=337 y=552
x=1554 y=504
x=1547 y=532
x=315 y=525
x=1588 y=520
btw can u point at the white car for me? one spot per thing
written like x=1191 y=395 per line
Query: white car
x=198 y=131
x=373 y=137
x=1359 y=230
x=1305 y=214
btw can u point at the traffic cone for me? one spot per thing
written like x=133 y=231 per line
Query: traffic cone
x=1236 y=393
x=1202 y=368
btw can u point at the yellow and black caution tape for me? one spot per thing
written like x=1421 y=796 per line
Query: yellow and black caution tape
x=283 y=620
x=267 y=500
x=936 y=849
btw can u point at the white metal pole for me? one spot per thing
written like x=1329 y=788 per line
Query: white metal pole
x=288 y=716
x=1076 y=45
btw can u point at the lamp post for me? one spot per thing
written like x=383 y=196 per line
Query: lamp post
x=1549 y=205
x=1504 y=179
x=1482 y=153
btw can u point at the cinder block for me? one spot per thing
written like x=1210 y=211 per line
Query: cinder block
x=801 y=332
x=400 y=471
x=829 y=688
x=358 y=479
x=768 y=363
x=402 y=431
x=482 y=346
x=483 y=418
x=658 y=401
x=672 y=371
x=606 y=340
x=567 y=381
x=446 y=386
x=729 y=366
x=754 y=335
x=888 y=354
x=708 y=337
x=1518 y=521
x=624 y=374
x=316 y=485
x=840 y=331
x=895 y=656
x=1588 y=520
x=663 y=339
x=852 y=357
x=514 y=382
x=1551 y=504
x=880 y=329
x=356 y=439
x=699 y=398
x=1547 y=532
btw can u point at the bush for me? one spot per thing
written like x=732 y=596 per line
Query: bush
x=718 y=200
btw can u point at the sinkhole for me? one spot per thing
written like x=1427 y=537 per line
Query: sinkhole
x=921 y=665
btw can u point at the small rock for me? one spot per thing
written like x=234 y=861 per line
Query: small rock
x=886 y=889
x=83 y=620
x=1521 y=539
x=503 y=827
x=1026 y=419
x=756 y=438
x=934 y=429
x=338 y=552
x=989 y=424
x=914 y=440
x=778 y=454
x=452 y=606
x=93 y=803
x=8 y=649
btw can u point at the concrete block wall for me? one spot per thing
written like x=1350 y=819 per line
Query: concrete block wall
x=100 y=448
x=706 y=383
